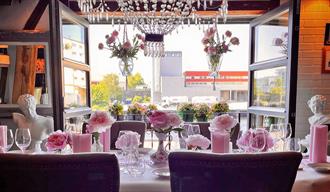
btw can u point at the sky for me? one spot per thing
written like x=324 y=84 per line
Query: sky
x=187 y=40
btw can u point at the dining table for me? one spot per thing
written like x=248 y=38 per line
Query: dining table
x=307 y=180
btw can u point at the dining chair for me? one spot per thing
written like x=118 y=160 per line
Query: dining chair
x=206 y=172
x=204 y=127
x=137 y=126
x=59 y=173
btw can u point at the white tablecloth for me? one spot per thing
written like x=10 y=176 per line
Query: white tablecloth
x=307 y=180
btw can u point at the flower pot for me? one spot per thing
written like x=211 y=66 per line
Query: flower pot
x=187 y=116
x=202 y=118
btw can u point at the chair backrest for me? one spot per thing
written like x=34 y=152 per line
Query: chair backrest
x=202 y=172
x=204 y=127
x=137 y=126
x=59 y=173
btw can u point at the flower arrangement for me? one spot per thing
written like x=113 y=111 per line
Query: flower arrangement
x=244 y=140
x=57 y=141
x=202 y=112
x=223 y=123
x=221 y=107
x=123 y=50
x=129 y=140
x=214 y=48
x=282 y=42
x=137 y=109
x=186 y=111
x=197 y=142
x=152 y=107
x=99 y=122
x=163 y=122
x=116 y=109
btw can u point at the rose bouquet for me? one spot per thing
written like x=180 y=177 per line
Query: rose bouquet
x=57 y=141
x=163 y=122
x=223 y=123
x=244 y=141
x=197 y=142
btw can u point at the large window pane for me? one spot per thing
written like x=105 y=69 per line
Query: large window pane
x=271 y=39
x=269 y=87
x=74 y=88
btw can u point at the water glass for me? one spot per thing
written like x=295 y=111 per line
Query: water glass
x=244 y=146
x=276 y=132
x=257 y=141
x=194 y=129
x=293 y=144
x=23 y=138
x=10 y=139
x=135 y=163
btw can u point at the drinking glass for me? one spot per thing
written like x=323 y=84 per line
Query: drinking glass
x=243 y=147
x=136 y=165
x=286 y=133
x=23 y=138
x=257 y=141
x=184 y=132
x=276 y=131
x=293 y=144
x=10 y=139
x=194 y=130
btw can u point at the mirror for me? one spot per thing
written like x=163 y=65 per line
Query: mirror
x=24 y=70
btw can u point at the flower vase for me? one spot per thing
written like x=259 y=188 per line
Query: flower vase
x=126 y=66
x=161 y=155
x=220 y=141
x=97 y=146
x=182 y=142
x=214 y=62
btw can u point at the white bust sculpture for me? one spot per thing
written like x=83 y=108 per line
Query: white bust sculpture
x=317 y=105
x=40 y=126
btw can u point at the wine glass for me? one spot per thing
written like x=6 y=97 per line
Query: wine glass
x=286 y=133
x=23 y=138
x=10 y=140
x=241 y=144
x=257 y=141
x=293 y=144
x=194 y=130
x=276 y=131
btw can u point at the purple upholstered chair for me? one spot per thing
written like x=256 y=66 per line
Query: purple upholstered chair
x=59 y=173
x=201 y=172
x=204 y=127
x=137 y=126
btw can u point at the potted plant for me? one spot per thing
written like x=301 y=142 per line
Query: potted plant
x=202 y=112
x=136 y=112
x=117 y=111
x=186 y=111
x=219 y=108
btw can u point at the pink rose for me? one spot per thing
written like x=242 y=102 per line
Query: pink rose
x=206 y=49
x=174 y=119
x=99 y=122
x=111 y=39
x=205 y=41
x=114 y=33
x=140 y=37
x=278 y=42
x=223 y=123
x=234 y=41
x=210 y=32
x=159 y=119
x=127 y=45
x=57 y=141
x=129 y=140
x=101 y=46
x=244 y=140
x=212 y=50
x=228 y=34
x=142 y=46
x=198 y=141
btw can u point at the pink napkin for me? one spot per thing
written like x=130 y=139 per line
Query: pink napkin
x=319 y=144
x=220 y=142
x=105 y=140
x=3 y=137
x=81 y=142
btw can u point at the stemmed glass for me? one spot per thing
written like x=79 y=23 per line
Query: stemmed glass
x=244 y=146
x=23 y=138
x=286 y=133
x=194 y=130
x=276 y=131
x=293 y=144
x=257 y=141
x=9 y=142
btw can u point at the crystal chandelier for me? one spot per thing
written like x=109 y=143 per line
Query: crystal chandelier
x=155 y=18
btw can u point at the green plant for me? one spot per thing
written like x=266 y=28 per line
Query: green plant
x=186 y=108
x=202 y=112
x=116 y=109
x=152 y=107
x=221 y=107
x=137 y=109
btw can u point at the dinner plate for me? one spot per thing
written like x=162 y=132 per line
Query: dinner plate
x=162 y=172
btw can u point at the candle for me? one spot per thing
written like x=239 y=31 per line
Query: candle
x=220 y=142
x=105 y=140
x=311 y=143
x=81 y=142
x=319 y=144
x=3 y=137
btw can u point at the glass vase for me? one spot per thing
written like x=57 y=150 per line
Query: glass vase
x=97 y=146
x=161 y=155
x=214 y=62
x=126 y=66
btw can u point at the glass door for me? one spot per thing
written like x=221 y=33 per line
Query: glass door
x=270 y=68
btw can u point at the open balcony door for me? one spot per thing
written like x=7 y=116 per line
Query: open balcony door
x=273 y=66
x=70 y=58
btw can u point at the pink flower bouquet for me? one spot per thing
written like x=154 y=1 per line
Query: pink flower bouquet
x=57 y=141
x=99 y=122
x=130 y=140
x=163 y=122
x=223 y=123
x=197 y=141
x=244 y=141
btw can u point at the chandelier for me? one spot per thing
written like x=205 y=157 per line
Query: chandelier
x=154 y=18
